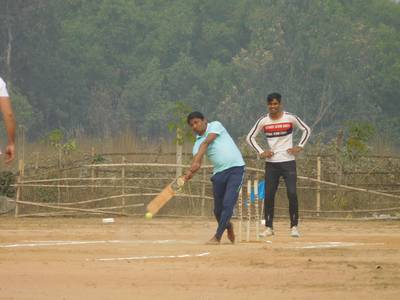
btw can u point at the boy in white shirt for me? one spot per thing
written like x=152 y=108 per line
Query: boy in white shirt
x=278 y=126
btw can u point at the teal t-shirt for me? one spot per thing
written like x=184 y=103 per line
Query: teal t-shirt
x=222 y=152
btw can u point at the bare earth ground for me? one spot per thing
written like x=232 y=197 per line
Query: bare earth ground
x=63 y=258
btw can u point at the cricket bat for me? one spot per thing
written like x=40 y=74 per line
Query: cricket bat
x=164 y=196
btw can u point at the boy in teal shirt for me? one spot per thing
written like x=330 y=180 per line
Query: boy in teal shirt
x=214 y=140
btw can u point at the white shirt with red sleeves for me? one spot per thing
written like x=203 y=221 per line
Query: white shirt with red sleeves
x=279 y=134
x=3 y=88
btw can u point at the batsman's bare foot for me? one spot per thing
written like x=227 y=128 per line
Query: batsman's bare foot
x=213 y=241
x=231 y=233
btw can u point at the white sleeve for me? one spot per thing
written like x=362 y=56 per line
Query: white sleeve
x=304 y=128
x=251 y=137
x=3 y=88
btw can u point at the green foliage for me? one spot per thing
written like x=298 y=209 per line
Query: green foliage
x=359 y=133
x=56 y=139
x=24 y=112
x=179 y=125
x=69 y=146
x=46 y=194
x=111 y=65
x=98 y=159
x=7 y=179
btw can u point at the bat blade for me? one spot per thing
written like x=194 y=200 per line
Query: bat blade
x=160 y=200
x=164 y=196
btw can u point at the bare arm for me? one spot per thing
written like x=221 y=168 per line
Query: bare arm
x=198 y=158
x=9 y=121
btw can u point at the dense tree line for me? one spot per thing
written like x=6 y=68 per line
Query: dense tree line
x=100 y=66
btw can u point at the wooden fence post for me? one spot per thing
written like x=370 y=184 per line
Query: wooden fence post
x=123 y=183
x=240 y=212
x=179 y=149
x=60 y=174
x=37 y=161
x=23 y=142
x=21 y=169
x=67 y=190
x=92 y=171
x=339 y=163
x=318 y=185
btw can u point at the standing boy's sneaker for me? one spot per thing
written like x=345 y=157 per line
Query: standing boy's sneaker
x=267 y=232
x=294 y=232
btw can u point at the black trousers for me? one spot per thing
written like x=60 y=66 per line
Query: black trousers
x=273 y=172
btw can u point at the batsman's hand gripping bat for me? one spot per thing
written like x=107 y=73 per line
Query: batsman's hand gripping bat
x=164 y=196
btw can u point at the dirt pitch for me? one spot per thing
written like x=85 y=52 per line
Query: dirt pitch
x=75 y=258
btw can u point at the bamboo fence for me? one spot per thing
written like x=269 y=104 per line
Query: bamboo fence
x=199 y=193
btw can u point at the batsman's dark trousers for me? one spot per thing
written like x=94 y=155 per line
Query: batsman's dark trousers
x=273 y=172
x=226 y=186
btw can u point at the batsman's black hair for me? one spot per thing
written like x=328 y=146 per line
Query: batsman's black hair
x=195 y=115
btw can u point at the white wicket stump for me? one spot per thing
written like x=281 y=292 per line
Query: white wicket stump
x=248 y=201
x=257 y=215
x=249 y=214
x=240 y=213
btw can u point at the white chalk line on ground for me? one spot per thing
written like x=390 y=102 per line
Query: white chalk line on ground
x=69 y=243
x=320 y=245
x=27 y=230
x=152 y=257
